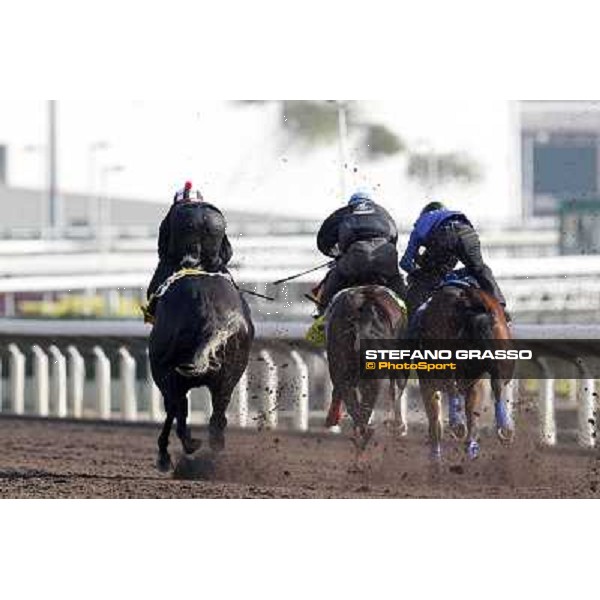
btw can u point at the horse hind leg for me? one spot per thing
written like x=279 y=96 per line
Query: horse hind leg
x=189 y=444
x=164 y=463
x=473 y=405
x=456 y=416
x=433 y=407
x=397 y=408
x=221 y=397
x=334 y=415
x=504 y=424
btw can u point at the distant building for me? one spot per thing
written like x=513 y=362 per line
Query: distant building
x=560 y=154
x=24 y=214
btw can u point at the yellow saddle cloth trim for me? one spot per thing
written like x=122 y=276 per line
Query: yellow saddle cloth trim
x=163 y=289
x=398 y=300
x=393 y=295
x=316 y=333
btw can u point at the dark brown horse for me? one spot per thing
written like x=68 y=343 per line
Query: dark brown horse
x=457 y=313
x=201 y=338
x=368 y=312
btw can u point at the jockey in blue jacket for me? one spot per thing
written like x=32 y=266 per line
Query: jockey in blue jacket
x=440 y=239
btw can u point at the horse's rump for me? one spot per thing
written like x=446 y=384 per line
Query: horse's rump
x=196 y=320
x=473 y=315
x=355 y=314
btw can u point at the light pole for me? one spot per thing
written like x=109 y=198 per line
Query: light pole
x=39 y=150
x=54 y=207
x=104 y=231
x=93 y=216
x=342 y=108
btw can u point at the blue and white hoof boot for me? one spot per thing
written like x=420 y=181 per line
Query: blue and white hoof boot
x=473 y=449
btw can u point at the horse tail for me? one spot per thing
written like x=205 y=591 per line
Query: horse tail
x=208 y=336
x=480 y=326
x=487 y=317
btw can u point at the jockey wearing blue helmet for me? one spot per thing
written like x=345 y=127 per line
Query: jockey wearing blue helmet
x=362 y=238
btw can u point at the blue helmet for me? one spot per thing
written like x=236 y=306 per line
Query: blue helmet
x=359 y=196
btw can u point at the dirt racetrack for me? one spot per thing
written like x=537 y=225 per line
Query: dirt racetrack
x=51 y=459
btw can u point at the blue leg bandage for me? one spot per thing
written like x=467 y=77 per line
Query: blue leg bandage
x=502 y=416
x=455 y=410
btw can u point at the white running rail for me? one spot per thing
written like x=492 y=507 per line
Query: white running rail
x=99 y=370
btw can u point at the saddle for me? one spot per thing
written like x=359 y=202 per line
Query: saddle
x=460 y=279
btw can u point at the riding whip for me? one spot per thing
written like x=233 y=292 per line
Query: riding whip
x=327 y=264
x=243 y=291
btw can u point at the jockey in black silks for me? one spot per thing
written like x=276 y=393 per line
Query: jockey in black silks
x=192 y=235
x=440 y=239
x=362 y=238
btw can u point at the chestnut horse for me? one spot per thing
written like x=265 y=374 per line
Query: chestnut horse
x=465 y=313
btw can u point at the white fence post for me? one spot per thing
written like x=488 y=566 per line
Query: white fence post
x=547 y=406
x=102 y=384
x=76 y=381
x=585 y=408
x=270 y=389
x=402 y=403
x=242 y=401
x=41 y=382
x=58 y=382
x=301 y=416
x=154 y=395
x=328 y=385
x=573 y=392
x=127 y=367
x=17 y=379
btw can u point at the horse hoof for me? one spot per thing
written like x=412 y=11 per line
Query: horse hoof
x=402 y=430
x=163 y=462
x=396 y=427
x=435 y=453
x=506 y=434
x=458 y=431
x=191 y=445
x=334 y=416
x=473 y=449
x=362 y=437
